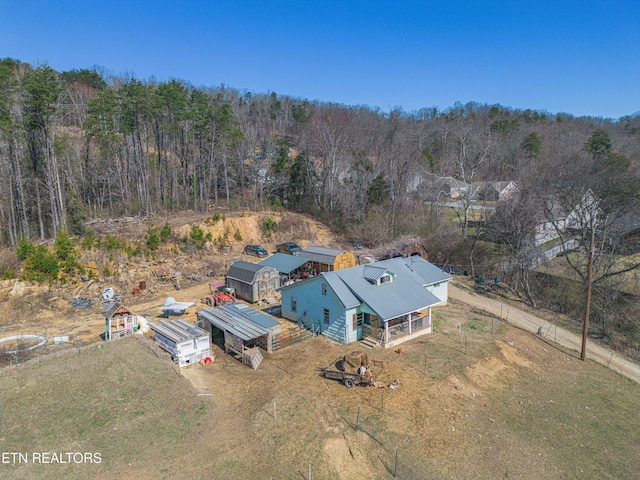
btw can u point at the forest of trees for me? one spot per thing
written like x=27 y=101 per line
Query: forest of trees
x=85 y=144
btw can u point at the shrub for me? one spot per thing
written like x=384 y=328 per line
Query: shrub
x=153 y=240
x=268 y=227
x=41 y=265
x=63 y=246
x=25 y=248
x=88 y=240
x=238 y=235
x=165 y=232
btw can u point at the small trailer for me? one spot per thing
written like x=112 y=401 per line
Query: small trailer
x=337 y=371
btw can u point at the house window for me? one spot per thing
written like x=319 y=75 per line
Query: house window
x=326 y=315
x=293 y=304
x=385 y=279
x=357 y=320
x=324 y=288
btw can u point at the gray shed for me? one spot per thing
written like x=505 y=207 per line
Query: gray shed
x=253 y=282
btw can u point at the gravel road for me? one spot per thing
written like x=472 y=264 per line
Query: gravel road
x=531 y=323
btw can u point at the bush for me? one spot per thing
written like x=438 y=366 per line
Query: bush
x=63 y=246
x=153 y=240
x=88 y=240
x=25 y=248
x=165 y=232
x=41 y=265
x=197 y=238
x=269 y=227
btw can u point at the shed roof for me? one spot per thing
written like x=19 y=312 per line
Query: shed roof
x=284 y=263
x=239 y=321
x=246 y=271
x=112 y=309
x=318 y=254
x=177 y=331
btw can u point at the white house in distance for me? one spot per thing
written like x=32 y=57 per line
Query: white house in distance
x=389 y=301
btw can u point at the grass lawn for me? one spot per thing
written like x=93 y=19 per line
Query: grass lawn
x=477 y=399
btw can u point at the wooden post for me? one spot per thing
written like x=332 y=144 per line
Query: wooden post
x=275 y=416
x=358 y=417
x=309 y=475
x=425 y=362
x=395 y=467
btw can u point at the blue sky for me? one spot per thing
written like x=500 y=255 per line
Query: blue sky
x=578 y=57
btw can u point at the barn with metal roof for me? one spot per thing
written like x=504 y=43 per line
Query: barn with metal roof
x=325 y=259
x=253 y=281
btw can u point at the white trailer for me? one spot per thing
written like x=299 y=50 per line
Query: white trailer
x=186 y=343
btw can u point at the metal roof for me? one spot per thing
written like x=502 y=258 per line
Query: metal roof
x=341 y=290
x=245 y=271
x=284 y=263
x=324 y=255
x=256 y=316
x=239 y=322
x=177 y=331
x=373 y=272
x=424 y=272
x=404 y=294
x=389 y=300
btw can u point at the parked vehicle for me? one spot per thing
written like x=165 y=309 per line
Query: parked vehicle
x=255 y=250
x=453 y=270
x=289 y=248
x=356 y=244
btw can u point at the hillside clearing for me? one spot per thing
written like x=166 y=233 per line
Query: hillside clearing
x=488 y=403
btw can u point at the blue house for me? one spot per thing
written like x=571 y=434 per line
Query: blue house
x=388 y=302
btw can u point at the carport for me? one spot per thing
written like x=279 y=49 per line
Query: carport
x=244 y=329
x=287 y=265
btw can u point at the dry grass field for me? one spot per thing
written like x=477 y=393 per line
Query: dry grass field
x=478 y=399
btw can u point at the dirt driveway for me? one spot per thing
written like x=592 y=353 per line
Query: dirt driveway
x=555 y=334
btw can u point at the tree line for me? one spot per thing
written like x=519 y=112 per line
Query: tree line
x=82 y=144
x=87 y=144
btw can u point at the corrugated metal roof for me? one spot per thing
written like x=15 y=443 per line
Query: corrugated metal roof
x=403 y=295
x=177 y=331
x=342 y=291
x=389 y=300
x=318 y=254
x=230 y=320
x=256 y=316
x=246 y=271
x=373 y=272
x=284 y=263
x=423 y=271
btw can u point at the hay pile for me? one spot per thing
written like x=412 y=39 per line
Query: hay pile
x=354 y=360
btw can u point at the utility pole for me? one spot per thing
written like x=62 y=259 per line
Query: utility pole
x=585 y=326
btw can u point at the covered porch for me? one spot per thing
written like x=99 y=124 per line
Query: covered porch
x=394 y=331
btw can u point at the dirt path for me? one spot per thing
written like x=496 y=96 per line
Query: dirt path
x=558 y=335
